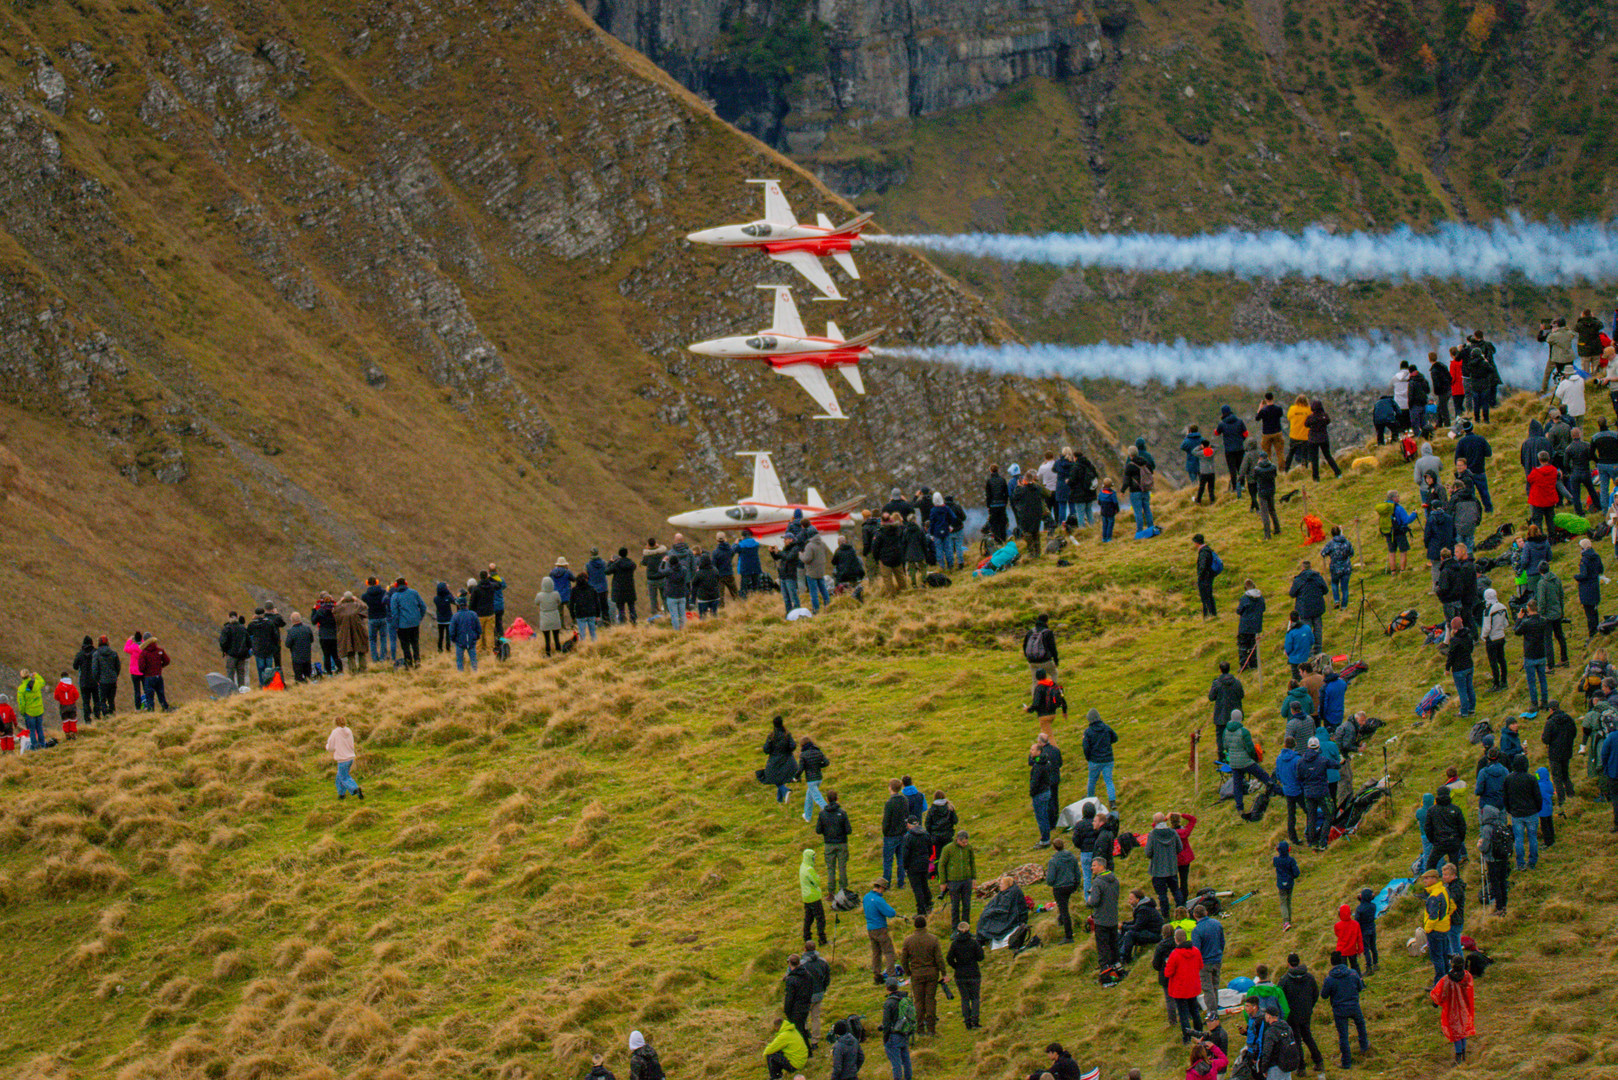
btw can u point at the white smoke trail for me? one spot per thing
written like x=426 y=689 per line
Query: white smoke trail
x=1351 y=364
x=1544 y=254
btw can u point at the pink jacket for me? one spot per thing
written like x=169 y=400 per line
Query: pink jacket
x=134 y=655
x=1215 y=1064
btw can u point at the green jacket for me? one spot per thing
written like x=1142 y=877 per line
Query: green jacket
x=790 y=1043
x=808 y=878
x=1548 y=595
x=1238 y=745
x=957 y=863
x=1268 y=992
x=31 y=696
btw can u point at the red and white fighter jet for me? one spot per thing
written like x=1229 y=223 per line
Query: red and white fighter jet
x=800 y=246
x=791 y=351
x=765 y=514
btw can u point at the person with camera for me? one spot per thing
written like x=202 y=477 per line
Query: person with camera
x=1207 y=1060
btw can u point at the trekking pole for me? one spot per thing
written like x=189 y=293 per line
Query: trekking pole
x=1359 y=547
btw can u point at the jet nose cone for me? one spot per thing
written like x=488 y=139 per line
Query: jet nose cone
x=705 y=348
x=684 y=521
x=702 y=236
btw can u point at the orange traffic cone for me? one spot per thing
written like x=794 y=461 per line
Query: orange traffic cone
x=275 y=682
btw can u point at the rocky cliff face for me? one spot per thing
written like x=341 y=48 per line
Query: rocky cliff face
x=289 y=294
x=784 y=71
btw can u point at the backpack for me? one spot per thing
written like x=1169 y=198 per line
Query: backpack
x=1499 y=845
x=1479 y=729
x=1260 y=804
x=1216 y=564
x=936 y=581
x=502 y=647
x=570 y=644
x=1111 y=975
x=1290 y=1055
x=1033 y=647
x=856 y=1027
x=904 y=1022
x=845 y=900
x=1148 y=481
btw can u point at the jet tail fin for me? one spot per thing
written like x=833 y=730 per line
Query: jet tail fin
x=852 y=225
x=766 y=484
x=812 y=497
x=823 y=221
x=832 y=332
x=851 y=372
x=864 y=339
x=846 y=261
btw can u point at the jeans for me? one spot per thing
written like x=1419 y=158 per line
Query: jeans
x=410 y=644
x=1315 y=828
x=379 y=639
x=811 y=794
x=1339 y=588
x=236 y=670
x=1102 y=769
x=266 y=668
x=1085 y=870
x=957 y=551
x=676 y=609
x=789 y=592
x=818 y=593
x=464 y=654
x=1527 y=826
x=626 y=613
x=890 y=861
x=1464 y=691
x=1342 y=1023
x=1254 y=770
x=1107 y=522
x=1063 y=893
x=345 y=782
x=1438 y=952
x=154 y=692
x=1608 y=475
x=971 y=991
x=1537 y=688
x=1042 y=815
x=587 y=623
x=1481 y=482
x=897 y=1047
x=1142 y=502
x=36 y=729
x=781 y=792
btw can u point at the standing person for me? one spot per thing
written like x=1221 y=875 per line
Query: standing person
x=1523 y=803
x=847 y=1056
x=1163 y=847
x=1551 y=599
x=1039 y=791
x=1436 y=909
x=376 y=615
x=549 y=623
x=350 y=616
x=1039 y=649
x=1227 y=695
x=964 y=957
x=780 y=765
x=814 y=912
x=819 y=982
x=651 y=557
x=1232 y=432
x=1140 y=479
x=1458 y=662
x=816 y=560
x=1027 y=506
x=1350 y=943
x=1249 y=625
x=1446 y=829
x=1319 y=426
x=498 y=585
x=1287 y=873
x=939 y=822
x=132 y=650
x=235 y=646
x=621 y=575
x=1560 y=736
x=1496 y=617
x=749 y=566
x=1103 y=901
x=812 y=763
x=877 y=914
x=1608 y=760
x=1339 y=556
x=1438 y=376
x=643 y=1063
x=1047 y=699
x=1313 y=772
x=324 y=619
x=340 y=744
x=1182 y=824
x=898 y=1025
x=300 y=646
x=443 y=616
x=958 y=871
x=1099 y=739
x=1394 y=522
x=1269 y=417
x=152 y=662
x=1365 y=916
x=1206 y=562
x=1532 y=629
x=915 y=854
x=1063 y=876
x=1297 y=432
x=1184 y=978
x=31 y=706
x=107 y=670
x=1342 y=989
x=1308 y=593
x=1301 y=991
x=894 y=813
x=1589 y=578
x=595 y=575
x=1494 y=846
x=1264 y=474
x=1209 y=938
x=834 y=828
x=1472 y=453
x=922 y=958
x=706 y=590
x=465 y=630
x=1286 y=776
x=996 y=497
x=1453 y=996
x=676 y=584
x=407 y=611
x=1240 y=754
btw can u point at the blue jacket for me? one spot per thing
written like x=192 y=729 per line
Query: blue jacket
x=1385 y=411
x=1286 y=867
x=1342 y=988
x=1231 y=429
x=1492 y=785
x=1286 y=773
x=939 y=523
x=1098 y=740
x=1208 y=938
x=1191 y=446
x=877 y=911
x=1299 y=644
x=596 y=571
x=1365 y=913
x=376 y=602
x=407 y=609
x=444 y=604
x=1609 y=756
x=1255 y=1036
x=1108 y=503
x=1510 y=744
x=1547 y=796
x=917 y=801
x=1312 y=775
x=1329 y=751
x=747 y=556
x=465 y=629
x=1340 y=553
x=722 y=554
x=1063 y=469
x=498 y=583
x=1333 y=694
x=563 y=579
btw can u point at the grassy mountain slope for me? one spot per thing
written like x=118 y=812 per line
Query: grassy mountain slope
x=290 y=293
x=553 y=852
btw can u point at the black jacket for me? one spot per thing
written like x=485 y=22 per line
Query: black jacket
x=108 y=665
x=1458 y=656
x=84 y=662
x=799 y=988
x=940 y=823
x=846 y=565
x=996 y=492
x=265 y=631
x=1145 y=919
x=234 y=641
x=1028 y=504
x=832 y=824
x=1039 y=774
x=811 y=761
x=1309 y=590
x=964 y=956
x=300 y=643
x=1301 y=991
x=894 y=812
x=1205 y=557
x=915 y=852
x=376 y=602
x=1522 y=791
x=1458 y=582
x=1559 y=736
x=622 y=569
x=1446 y=825
x=890 y=1011
x=847 y=1058
x=324 y=618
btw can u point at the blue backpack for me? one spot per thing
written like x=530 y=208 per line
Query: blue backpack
x=1216 y=564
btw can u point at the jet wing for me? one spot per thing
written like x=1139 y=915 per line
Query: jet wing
x=777 y=211
x=812 y=269
x=785 y=321
x=812 y=378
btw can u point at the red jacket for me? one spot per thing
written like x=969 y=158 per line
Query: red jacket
x=153 y=659
x=1454 y=996
x=1457 y=384
x=8 y=717
x=1184 y=832
x=1183 y=969
x=1542 y=486
x=66 y=694
x=1350 y=942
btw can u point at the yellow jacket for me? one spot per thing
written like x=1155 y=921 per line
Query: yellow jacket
x=791 y=1043
x=31 y=696
x=1428 y=923
x=1296 y=415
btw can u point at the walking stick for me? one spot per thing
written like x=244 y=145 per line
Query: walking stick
x=1196 y=762
x=1359 y=547
x=1258 y=662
